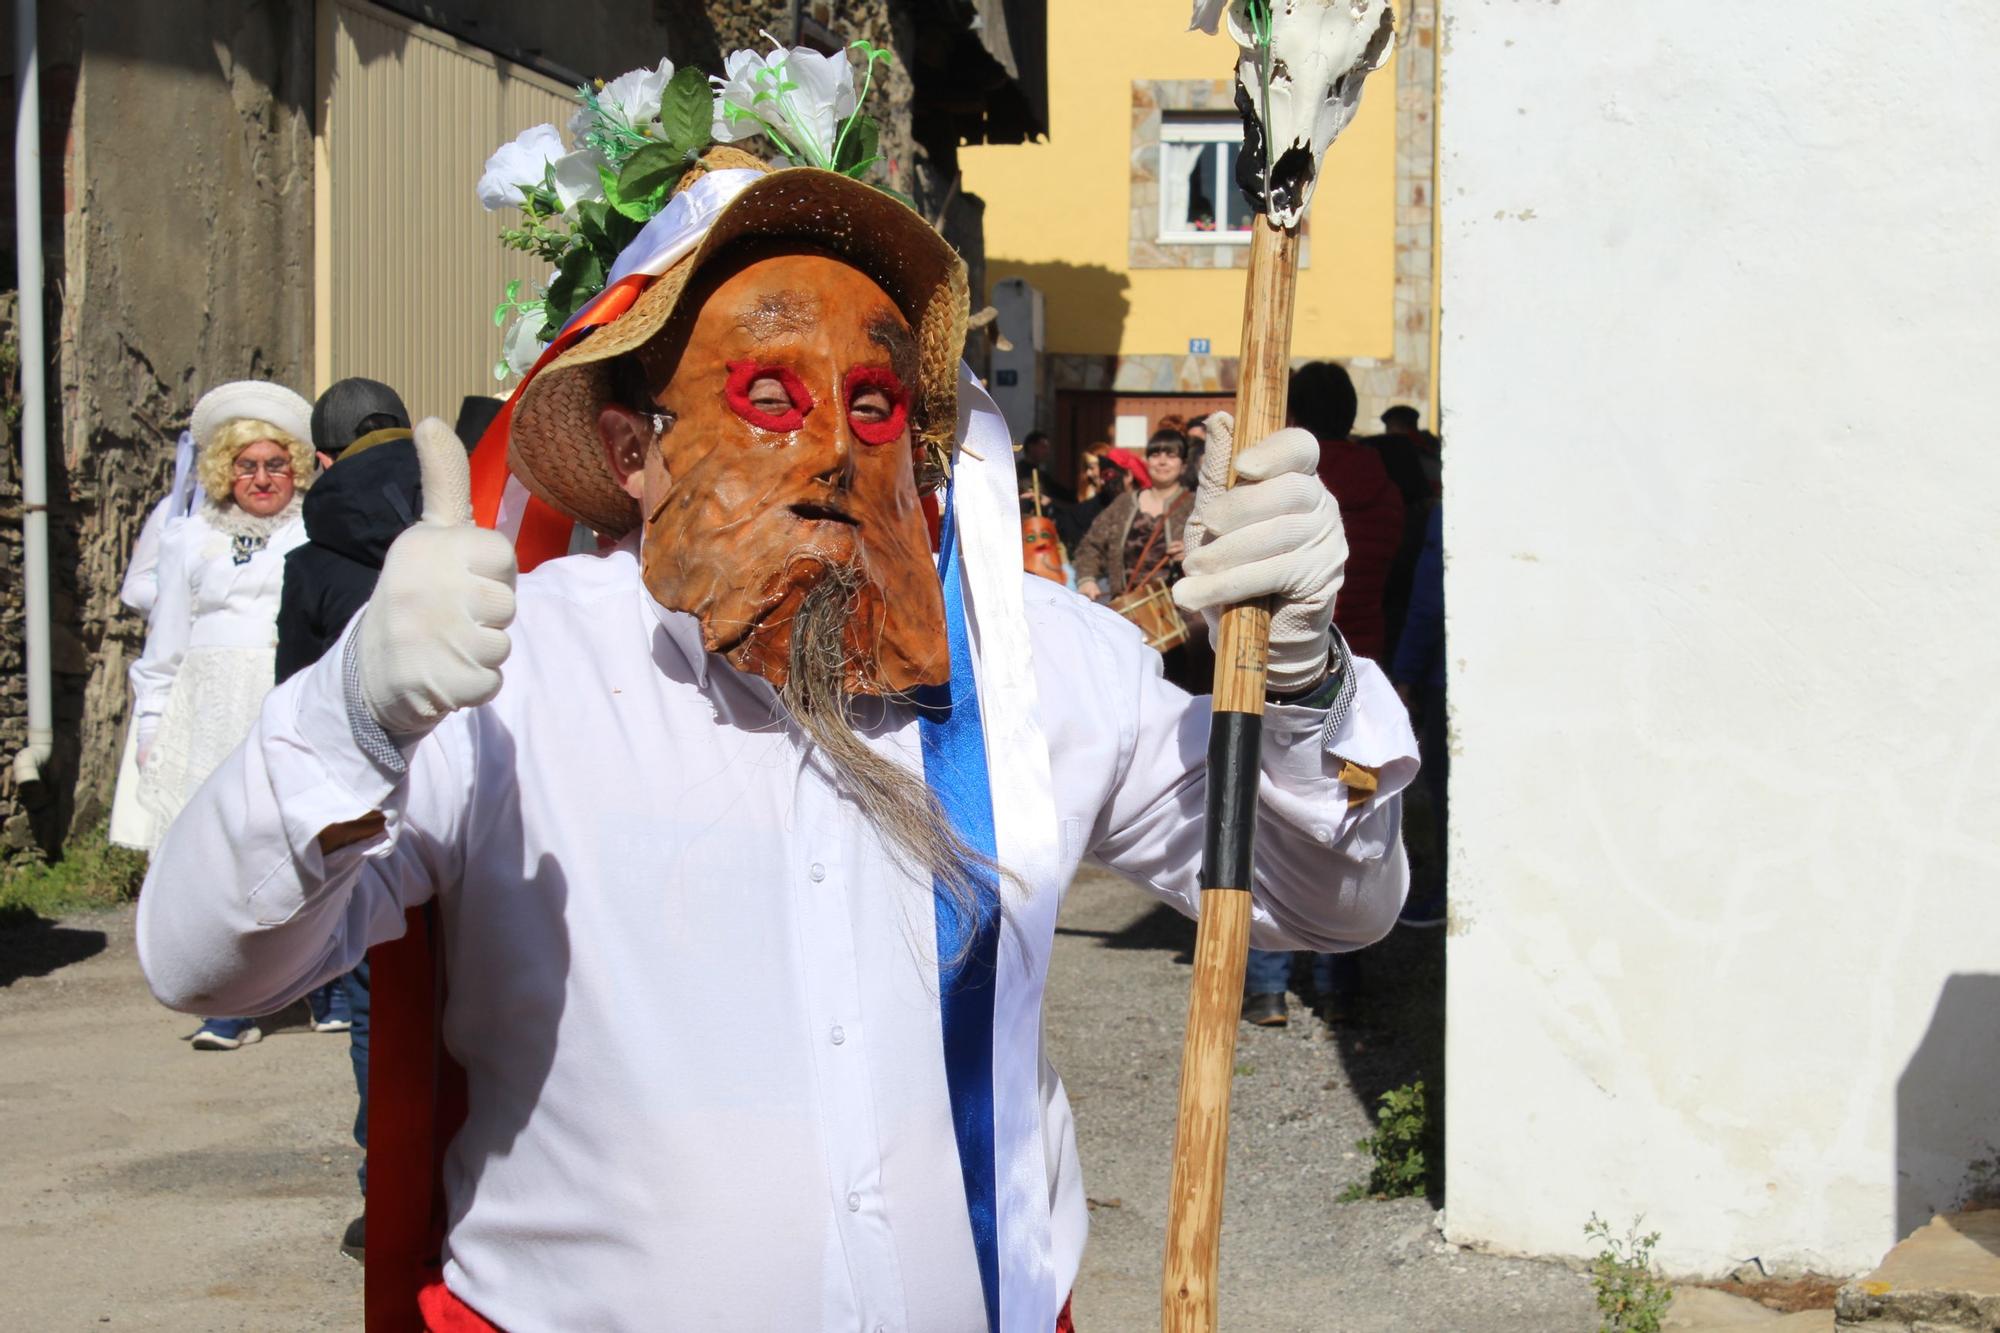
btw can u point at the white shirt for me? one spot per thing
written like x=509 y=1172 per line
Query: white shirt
x=694 y=996
x=207 y=599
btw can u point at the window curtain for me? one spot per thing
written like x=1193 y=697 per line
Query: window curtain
x=1186 y=175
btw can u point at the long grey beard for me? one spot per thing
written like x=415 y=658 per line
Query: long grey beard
x=891 y=798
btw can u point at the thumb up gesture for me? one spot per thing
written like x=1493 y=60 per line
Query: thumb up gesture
x=435 y=633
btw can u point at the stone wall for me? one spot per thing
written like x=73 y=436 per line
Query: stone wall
x=16 y=833
x=186 y=241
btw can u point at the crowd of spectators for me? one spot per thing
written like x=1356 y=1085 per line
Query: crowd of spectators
x=1121 y=524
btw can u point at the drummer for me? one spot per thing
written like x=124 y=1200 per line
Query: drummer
x=1138 y=537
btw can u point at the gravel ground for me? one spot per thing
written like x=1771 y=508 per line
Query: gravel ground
x=149 y=1187
x=1293 y=1256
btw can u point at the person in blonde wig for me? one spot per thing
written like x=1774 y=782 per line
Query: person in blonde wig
x=208 y=660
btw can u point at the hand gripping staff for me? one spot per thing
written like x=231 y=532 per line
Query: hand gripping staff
x=1298 y=85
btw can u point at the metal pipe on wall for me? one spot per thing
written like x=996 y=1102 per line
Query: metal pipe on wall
x=34 y=420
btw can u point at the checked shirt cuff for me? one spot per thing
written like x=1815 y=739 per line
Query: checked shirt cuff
x=368 y=734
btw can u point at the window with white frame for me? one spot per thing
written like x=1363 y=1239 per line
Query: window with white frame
x=1199 y=201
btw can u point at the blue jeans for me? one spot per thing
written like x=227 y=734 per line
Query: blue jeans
x=1270 y=973
x=356 y=985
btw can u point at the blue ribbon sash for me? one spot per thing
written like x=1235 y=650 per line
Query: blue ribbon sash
x=954 y=750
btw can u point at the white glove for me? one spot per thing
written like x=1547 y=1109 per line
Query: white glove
x=1276 y=533
x=433 y=636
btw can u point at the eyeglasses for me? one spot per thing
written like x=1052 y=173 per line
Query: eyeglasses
x=277 y=467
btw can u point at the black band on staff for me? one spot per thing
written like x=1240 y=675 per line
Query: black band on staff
x=1235 y=742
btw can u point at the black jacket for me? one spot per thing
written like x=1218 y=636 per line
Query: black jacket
x=352 y=513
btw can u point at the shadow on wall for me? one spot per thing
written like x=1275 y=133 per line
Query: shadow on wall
x=1948 y=1107
x=1083 y=305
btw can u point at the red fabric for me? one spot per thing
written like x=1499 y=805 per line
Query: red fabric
x=1371 y=509
x=1132 y=463
x=416 y=1102
x=743 y=374
x=860 y=380
x=544 y=533
x=446 y=1313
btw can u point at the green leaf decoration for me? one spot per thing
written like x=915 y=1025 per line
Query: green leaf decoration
x=580 y=277
x=620 y=229
x=609 y=180
x=588 y=223
x=857 y=144
x=687 y=112
x=653 y=168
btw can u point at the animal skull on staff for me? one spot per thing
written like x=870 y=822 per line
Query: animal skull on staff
x=1298 y=86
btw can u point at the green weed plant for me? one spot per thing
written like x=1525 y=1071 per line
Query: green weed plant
x=91 y=874
x=1402 y=1126
x=1632 y=1297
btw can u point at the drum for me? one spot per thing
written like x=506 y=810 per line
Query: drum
x=1151 y=607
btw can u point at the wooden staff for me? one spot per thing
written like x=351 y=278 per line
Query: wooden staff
x=1222 y=937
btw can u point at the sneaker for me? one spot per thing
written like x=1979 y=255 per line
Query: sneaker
x=1265 y=1011
x=353 y=1243
x=329 y=1009
x=226 y=1034
x=1426 y=913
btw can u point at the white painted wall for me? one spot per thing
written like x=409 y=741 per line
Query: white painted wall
x=1721 y=369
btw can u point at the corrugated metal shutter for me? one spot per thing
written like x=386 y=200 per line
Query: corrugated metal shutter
x=409 y=267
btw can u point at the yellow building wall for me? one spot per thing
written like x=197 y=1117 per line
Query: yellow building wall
x=1058 y=212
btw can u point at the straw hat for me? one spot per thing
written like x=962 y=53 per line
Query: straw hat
x=554 y=447
x=256 y=400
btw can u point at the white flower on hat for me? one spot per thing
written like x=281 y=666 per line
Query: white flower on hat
x=634 y=96
x=518 y=166
x=577 y=177
x=522 y=345
x=797 y=97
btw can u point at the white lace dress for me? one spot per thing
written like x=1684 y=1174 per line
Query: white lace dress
x=210 y=649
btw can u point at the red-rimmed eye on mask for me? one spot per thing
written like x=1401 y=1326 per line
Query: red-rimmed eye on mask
x=743 y=374
x=863 y=379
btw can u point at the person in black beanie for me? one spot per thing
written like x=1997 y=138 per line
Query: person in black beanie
x=352 y=411
x=370 y=495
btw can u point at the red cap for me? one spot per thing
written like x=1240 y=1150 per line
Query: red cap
x=1132 y=463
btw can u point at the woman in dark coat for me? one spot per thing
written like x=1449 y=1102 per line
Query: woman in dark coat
x=1139 y=535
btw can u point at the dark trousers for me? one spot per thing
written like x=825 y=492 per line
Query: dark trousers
x=356 y=984
x=1269 y=972
x=1434 y=749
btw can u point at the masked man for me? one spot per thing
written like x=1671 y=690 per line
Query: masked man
x=749 y=867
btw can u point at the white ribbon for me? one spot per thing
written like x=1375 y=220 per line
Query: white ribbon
x=986 y=501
